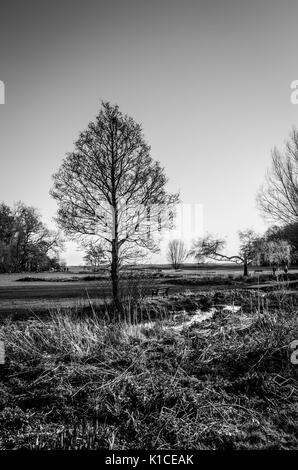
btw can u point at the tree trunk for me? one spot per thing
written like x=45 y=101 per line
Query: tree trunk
x=115 y=275
x=115 y=247
x=245 y=269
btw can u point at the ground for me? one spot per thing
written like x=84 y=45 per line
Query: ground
x=180 y=372
x=224 y=381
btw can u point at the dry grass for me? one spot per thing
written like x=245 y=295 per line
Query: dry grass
x=86 y=382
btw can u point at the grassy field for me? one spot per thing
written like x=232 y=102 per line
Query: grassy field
x=37 y=292
x=154 y=379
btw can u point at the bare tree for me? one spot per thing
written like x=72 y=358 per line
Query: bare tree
x=278 y=198
x=177 y=253
x=94 y=255
x=110 y=189
x=205 y=247
x=212 y=247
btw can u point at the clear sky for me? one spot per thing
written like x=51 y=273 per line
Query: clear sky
x=208 y=79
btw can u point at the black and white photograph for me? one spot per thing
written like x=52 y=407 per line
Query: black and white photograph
x=148 y=229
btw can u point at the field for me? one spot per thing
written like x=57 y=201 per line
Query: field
x=178 y=372
x=74 y=289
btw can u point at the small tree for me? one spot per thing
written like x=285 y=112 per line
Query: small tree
x=109 y=189
x=212 y=247
x=94 y=255
x=177 y=253
x=63 y=265
x=288 y=233
x=277 y=252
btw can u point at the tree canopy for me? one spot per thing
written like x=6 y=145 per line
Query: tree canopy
x=26 y=244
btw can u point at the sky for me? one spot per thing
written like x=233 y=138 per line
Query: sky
x=209 y=80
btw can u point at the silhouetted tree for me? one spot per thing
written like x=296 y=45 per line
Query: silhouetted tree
x=212 y=247
x=110 y=189
x=177 y=253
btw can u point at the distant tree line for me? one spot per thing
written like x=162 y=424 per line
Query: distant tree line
x=273 y=248
x=26 y=244
x=278 y=246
